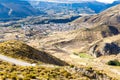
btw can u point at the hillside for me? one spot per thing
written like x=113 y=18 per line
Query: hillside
x=106 y=46
x=20 y=50
x=53 y=73
x=64 y=7
x=68 y=8
x=16 y=9
x=109 y=17
x=103 y=25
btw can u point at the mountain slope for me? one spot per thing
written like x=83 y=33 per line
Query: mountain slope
x=110 y=16
x=114 y=3
x=16 y=8
x=76 y=8
x=105 y=24
x=22 y=51
x=106 y=46
x=4 y=11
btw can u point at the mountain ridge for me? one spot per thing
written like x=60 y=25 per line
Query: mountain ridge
x=17 y=9
x=21 y=9
x=108 y=17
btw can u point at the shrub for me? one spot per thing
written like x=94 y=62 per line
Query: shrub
x=114 y=63
x=71 y=66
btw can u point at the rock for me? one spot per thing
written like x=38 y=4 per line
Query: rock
x=33 y=64
x=103 y=49
x=111 y=48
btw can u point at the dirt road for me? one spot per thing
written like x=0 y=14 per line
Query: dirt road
x=14 y=61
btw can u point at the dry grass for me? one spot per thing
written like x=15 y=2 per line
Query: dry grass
x=20 y=50
x=13 y=72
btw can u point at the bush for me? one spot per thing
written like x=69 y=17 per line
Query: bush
x=114 y=63
x=71 y=66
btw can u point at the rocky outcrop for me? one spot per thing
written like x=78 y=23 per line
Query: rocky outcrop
x=102 y=49
x=105 y=49
x=91 y=73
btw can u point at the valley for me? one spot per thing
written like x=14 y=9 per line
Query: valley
x=59 y=45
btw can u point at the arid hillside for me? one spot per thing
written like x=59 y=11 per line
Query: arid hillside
x=109 y=17
x=105 y=46
x=20 y=50
x=80 y=40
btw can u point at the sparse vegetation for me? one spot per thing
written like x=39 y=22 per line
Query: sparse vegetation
x=114 y=63
x=26 y=73
x=14 y=72
x=20 y=50
x=83 y=55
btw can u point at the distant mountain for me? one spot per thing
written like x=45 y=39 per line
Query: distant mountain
x=83 y=7
x=13 y=9
x=16 y=9
x=114 y=3
x=67 y=8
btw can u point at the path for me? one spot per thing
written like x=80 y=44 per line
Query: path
x=14 y=61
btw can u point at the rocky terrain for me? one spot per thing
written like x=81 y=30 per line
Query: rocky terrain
x=17 y=72
x=106 y=46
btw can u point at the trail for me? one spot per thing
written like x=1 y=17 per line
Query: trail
x=15 y=61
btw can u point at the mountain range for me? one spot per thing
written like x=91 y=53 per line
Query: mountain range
x=20 y=9
x=89 y=7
